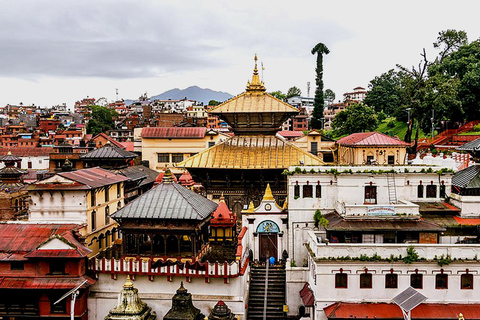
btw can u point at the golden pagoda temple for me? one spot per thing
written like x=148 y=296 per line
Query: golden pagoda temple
x=243 y=165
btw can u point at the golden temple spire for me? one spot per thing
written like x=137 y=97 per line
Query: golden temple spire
x=255 y=86
x=285 y=205
x=268 y=193
x=222 y=198
x=128 y=283
x=251 y=207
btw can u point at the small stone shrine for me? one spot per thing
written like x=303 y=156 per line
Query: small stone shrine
x=182 y=307
x=130 y=306
x=221 y=312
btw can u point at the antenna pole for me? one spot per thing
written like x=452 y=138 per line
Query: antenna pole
x=116 y=91
x=262 y=69
x=72 y=305
x=308 y=89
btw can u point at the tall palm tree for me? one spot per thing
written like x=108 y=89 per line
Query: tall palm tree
x=316 y=123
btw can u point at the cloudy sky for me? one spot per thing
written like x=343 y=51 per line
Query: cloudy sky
x=59 y=51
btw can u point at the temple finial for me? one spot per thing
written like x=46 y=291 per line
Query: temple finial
x=222 y=198
x=268 y=193
x=128 y=283
x=255 y=86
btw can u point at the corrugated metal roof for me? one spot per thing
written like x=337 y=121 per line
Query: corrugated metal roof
x=467 y=178
x=290 y=134
x=106 y=137
x=94 y=177
x=467 y=222
x=174 y=132
x=307 y=296
x=27 y=152
x=247 y=103
x=108 y=151
x=168 y=201
x=471 y=146
x=337 y=223
x=23 y=238
x=252 y=152
x=344 y=310
x=138 y=172
x=45 y=283
x=370 y=139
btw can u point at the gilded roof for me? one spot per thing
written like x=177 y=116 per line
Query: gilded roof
x=255 y=99
x=248 y=102
x=251 y=152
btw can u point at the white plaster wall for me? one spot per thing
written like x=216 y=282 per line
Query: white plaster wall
x=159 y=292
x=470 y=205
x=38 y=163
x=71 y=208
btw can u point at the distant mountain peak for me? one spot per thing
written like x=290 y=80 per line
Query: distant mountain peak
x=193 y=93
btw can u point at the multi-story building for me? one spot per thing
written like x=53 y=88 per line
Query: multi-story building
x=39 y=263
x=86 y=197
x=358 y=95
x=165 y=147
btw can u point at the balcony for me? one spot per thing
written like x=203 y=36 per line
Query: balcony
x=401 y=209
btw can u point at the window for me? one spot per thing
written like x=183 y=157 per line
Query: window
x=318 y=191
x=17 y=265
x=163 y=158
x=107 y=214
x=211 y=144
x=416 y=281
x=441 y=281
x=366 y=281
x=29 y=164
x=370 y=160
x=60 y=307
x=431 y=191
x=93 y=216
x=119 y=190
x=391 y=281
x=341 y=280
x=307 y=191
x=107 y=193
x=177 y=157
x=420 y=191
x=57 y=267
x=92 y=198
x=466 y=281
x=296 y=192
x=314 y=148
x=391 y=160
x=371 y=194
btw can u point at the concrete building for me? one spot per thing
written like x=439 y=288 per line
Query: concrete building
x=86 y=197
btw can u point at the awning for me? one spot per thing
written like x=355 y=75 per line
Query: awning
x=307 y=296
x=377 y=311
x=44 y=283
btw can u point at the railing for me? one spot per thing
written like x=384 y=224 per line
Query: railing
x=144 y=266
x=394 y=250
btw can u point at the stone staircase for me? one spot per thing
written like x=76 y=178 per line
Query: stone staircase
x=275 y=292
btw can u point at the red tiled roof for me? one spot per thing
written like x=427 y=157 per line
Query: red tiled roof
x=341 y=310
x=128 y=145
x=290 y=134
x=20 y=238
x=174 y=132
x=370 y=139
x=110 y=139
x=44 y=283
x=222 y=216
x=467 y=221
x=94 y=177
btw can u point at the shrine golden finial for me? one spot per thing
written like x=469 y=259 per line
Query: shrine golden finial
x=128 y=283
x=251 y=207
x=268 y=193
x=285 y=205
x=222 y=198
x=255 y=86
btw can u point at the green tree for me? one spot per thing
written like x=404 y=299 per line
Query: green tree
x=293 y=92
x=456 y=83
x=449 y=41
x=213 y=103
x=318 y=103
x=101 y=120
x=278 y=94
x=329 y=96
x=385 y=92
x=357 y=117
